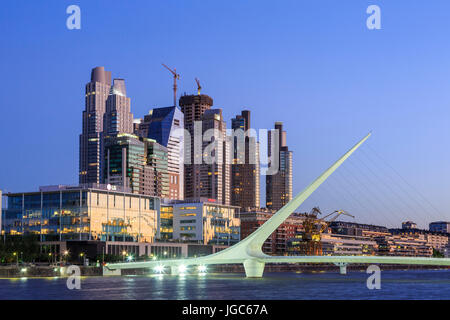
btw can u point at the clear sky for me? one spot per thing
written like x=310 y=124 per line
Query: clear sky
x=312 y=64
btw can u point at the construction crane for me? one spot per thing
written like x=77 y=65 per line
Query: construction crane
x=199 y=87
x=176 y=77
x=314 y=227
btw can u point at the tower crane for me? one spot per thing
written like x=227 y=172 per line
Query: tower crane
x=176 y=77
x=199 y=87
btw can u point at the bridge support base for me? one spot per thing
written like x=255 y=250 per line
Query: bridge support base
x=174 y=270
x=253 y=268
x=109 y=272
x=342 y=267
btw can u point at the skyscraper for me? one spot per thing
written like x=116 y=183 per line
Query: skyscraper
x=245 y=179
x=279 y=185
x=166 y=126
x=213 y=180
x=193 y=107
x=118 y=117
x=97 y=91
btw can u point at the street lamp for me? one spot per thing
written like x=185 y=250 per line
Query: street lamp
x=65 y=254
x=17 y=258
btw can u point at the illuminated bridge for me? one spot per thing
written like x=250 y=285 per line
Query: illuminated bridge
x=249 y=251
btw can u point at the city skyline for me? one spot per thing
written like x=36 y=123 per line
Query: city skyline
x=403 y=128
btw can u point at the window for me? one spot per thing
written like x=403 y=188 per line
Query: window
x=187 y=221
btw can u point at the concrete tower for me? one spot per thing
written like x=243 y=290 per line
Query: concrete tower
x=193 y=108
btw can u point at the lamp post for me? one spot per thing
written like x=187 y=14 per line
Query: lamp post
x=17 y=258
x=65 y=254
x=124 y=253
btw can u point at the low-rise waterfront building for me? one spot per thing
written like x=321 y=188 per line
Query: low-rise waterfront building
x=409 y=225
x=276 y=244
x=404 y=245
x=336 y=244
x=89 y=212
x=435 y=240
x=358 y=229
x=440 y=226
x=201 y=220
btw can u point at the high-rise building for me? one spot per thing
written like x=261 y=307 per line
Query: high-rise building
x=213 y=180
x=279 y=184
x=136 y=163
x=97 y=91
x=118 y=117
x=166 y=126
x=245 y=176
x=193 y=107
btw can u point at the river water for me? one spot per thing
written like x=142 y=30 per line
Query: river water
x=415 y=284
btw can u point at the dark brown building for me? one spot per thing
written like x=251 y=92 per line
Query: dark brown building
x=276 y=244
x=245 y=177
x=279 y=183
x=202 y=179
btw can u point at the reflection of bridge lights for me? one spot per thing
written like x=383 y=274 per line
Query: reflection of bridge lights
x=159 y=269
x=201 y=269
x=182 y=269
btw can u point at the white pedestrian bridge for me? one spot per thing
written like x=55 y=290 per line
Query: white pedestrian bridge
x=249 y=251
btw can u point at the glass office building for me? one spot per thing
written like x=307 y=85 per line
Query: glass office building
x=137 y=163
x=62 y=213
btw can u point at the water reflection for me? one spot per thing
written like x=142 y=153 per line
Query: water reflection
x=395 y=285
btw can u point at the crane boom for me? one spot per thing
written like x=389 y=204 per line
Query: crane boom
x=176 y=77
x=199 y=87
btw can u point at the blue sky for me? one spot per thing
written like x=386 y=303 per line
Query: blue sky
x=311 y=64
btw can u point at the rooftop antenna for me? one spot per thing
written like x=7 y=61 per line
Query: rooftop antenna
x=175 y=77
x=199 y=87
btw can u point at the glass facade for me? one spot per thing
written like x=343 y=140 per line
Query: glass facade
x=157 y=158
x=166 y=222
x=83 y=214
x=144 y=161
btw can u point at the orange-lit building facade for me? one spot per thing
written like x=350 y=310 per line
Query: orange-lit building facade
x=76 y=213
